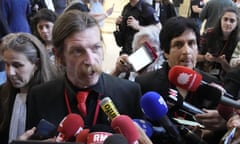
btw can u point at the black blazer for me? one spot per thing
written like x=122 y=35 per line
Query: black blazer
x=158 y=81
x=48 y=101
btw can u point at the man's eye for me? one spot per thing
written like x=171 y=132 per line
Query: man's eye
x=96 y=47
x=77 y=51
x=178 y=45
x=17 y=65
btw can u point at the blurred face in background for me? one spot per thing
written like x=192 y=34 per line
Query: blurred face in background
x=18 y=68
x=44 y=29
x=228 y=22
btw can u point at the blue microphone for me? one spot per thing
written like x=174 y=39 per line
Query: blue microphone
x=145 y=125
x=155 y=108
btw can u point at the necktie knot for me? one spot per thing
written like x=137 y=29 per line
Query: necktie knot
x=81 y=99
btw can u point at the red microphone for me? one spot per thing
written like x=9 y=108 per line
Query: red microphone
x=124 y=125
x=98 y=133
x=69 y=127
x=82 y=136
x=189 y=79
x=184 y=78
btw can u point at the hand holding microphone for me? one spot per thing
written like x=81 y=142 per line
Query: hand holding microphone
x=155 y=108
x=190 y=80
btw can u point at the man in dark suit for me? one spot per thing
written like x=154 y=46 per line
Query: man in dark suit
x=79 y=48
x=179 y=40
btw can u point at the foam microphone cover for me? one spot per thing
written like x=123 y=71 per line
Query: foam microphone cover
x=82 y=136
x=124 y=125
x=145 y=125
x=225 y=111
x=184 y=78
x=153 y=106
x=70 y=126
x=116 y=139
x=98 y=133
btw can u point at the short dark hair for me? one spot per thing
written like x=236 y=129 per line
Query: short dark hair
x=174 y=27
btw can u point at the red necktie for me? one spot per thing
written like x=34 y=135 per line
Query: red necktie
x=81 y=98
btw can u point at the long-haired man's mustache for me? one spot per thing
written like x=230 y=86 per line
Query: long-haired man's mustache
x=90 y=70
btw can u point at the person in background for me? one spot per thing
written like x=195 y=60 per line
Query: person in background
x=179 y=40
x=27 y=65
x=195 y=9
x=82 y=6
x=16 y=14
x=237 y=2
x=177 y=4
x=235 y=59
x=123 y=68
x=212 y=10
x=96 y=7
x=79 y=48
x=218 y=43
x=42 y=24
x=165 y=9
x=135 y=15
x=59 y=6
x=4 y=30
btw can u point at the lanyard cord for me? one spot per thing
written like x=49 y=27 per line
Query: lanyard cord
x=96 y=109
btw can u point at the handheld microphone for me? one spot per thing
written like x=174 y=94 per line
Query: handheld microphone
x=116 y=139
x=155 y=108
x=109 y=108
x=45 y=130
x=82 y=136
x=124 y=125
x=184 y=78
x=188 y=79
x=185 y=105
x=98 y=133
x=145 y=125
x=69 y=127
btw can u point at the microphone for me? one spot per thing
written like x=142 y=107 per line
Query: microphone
x=98 y=133
x=172 y=97
x=189 y=79
x=116 y=139
x=109 y=108
x=69 y=127
x=82 y=136
x=145 y=125
x=124 y=125
x=184 y=78
x=155 y=108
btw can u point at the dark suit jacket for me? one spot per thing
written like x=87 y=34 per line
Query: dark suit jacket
x=48 y=101
x=201 y=98
x=158 y=81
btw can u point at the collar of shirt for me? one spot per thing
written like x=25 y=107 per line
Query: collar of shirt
x=72 y=90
